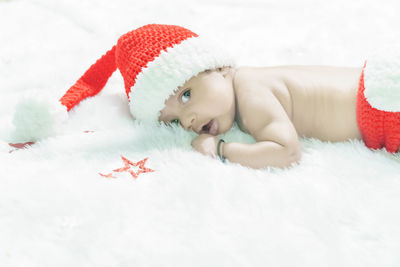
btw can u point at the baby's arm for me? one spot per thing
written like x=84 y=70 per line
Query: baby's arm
x=277 y=140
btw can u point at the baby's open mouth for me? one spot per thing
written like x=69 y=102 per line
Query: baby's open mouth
x=210 y=128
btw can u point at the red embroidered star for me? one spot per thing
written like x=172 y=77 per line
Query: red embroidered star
x=20 y=146
x=127 y=168
x=107 y=175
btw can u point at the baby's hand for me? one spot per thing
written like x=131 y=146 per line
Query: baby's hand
x=206 y=144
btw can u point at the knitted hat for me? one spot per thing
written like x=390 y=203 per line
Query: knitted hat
x=154 y=60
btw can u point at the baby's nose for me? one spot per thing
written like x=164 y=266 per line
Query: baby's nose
x=189 y=125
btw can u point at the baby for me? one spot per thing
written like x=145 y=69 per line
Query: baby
x=173 y=75
x=275 y=105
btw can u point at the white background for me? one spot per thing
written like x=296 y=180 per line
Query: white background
x=339 y=207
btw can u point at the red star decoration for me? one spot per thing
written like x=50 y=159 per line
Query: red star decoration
x=20 y=146
x=107 y=175
x=127 y=168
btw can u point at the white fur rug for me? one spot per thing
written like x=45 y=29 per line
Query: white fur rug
x=338 y=207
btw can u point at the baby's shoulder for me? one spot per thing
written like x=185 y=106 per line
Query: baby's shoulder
x=261 y=85
x=258 y=80
x=249 y=75
x=261 y=98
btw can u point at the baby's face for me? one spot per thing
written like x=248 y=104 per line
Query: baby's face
x=204 y=104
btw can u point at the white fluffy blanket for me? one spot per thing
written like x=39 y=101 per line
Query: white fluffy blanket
x=338 y=207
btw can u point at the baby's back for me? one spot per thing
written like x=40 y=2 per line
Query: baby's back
x=319 y=100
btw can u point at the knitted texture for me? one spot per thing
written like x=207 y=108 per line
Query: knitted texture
x=154 y=60
x=92 y=81
x=171 y=69
x=131 y=54
x=378 y=128
x=137 y=48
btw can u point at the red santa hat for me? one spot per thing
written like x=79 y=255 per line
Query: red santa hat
x=154 y=60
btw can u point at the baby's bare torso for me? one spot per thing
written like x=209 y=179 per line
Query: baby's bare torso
x=319 y=100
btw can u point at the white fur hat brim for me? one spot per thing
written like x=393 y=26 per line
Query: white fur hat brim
x=171 y=69
x=382 y=79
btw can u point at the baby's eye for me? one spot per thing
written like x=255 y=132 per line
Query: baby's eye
x=187 y=95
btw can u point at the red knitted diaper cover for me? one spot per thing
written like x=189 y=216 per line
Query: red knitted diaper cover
x=378 y=128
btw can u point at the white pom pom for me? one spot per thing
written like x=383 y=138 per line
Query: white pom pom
x=35 y=118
